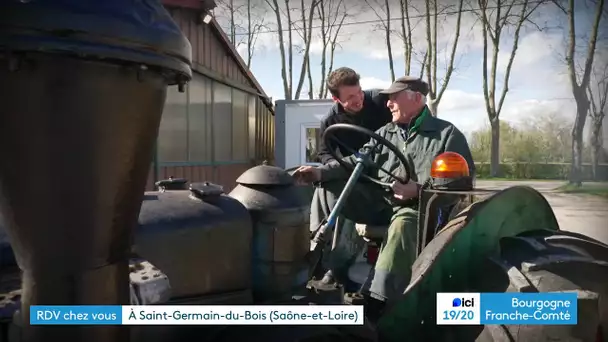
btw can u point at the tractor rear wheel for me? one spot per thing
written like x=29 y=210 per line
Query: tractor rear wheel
x=547 y=261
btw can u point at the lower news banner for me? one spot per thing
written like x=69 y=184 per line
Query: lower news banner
x=554 y=308
x=197 y=315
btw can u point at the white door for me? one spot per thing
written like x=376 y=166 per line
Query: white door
x=297 y=123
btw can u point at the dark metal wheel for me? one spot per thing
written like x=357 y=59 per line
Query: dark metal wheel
x=548 y=261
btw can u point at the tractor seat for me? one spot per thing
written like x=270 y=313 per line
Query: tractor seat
x=371 y=233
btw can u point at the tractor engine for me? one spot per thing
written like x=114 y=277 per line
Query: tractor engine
x=245 y=247
x=198 y=239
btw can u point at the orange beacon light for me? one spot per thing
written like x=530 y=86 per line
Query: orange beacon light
x=449 y=165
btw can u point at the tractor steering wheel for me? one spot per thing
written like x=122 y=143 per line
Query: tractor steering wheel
x=330 y=134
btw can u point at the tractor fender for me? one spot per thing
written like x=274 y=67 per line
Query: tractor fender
x=447 y=263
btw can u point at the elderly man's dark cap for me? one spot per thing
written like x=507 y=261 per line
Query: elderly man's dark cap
x=407 y=82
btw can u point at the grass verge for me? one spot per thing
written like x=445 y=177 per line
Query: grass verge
x=590 y=189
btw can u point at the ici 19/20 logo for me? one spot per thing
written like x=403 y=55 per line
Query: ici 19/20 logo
x=463 y=302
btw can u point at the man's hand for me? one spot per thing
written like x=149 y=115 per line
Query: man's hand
x=404 y=191
x=307 y=174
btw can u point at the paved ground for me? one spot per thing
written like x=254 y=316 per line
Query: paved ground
x=581 y=213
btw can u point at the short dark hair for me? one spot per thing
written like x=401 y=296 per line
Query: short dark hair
x=341 y=77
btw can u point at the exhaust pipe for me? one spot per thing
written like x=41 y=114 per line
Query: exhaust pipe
x=82 y=88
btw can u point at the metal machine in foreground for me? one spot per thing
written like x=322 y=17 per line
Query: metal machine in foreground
x=82 y=87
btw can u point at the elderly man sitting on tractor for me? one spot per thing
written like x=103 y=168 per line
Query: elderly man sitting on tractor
x=420 y=137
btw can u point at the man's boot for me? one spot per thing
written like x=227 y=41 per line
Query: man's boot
x=329 y=280
x=326 y=290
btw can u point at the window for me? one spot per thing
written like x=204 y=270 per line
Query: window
x=222 y=122
x=173 y=132
x=313 y=138
x=251 y=122
x=239 y=125
x=199 y=120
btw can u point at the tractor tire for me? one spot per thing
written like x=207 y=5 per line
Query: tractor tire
x=547 y=261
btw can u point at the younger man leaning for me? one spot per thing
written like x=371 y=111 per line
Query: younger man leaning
x=354 y=106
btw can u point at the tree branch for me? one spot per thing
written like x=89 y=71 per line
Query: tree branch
x=592 y=42
x=484 y=66
x=571 y=46
x=430 y=51
x=290 y=40
x=450 y=68
x=274 y=5
x=406 y=34
x=505 y=87
x=308 y=35
x=560 y=6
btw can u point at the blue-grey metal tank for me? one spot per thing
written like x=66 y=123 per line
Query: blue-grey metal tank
x=280 y=231
x=199 y=237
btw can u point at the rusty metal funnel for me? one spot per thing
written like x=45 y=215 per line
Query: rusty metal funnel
x=82 y=88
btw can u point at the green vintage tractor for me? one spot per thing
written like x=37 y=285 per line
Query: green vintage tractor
x=82 y=87
x=509 y=241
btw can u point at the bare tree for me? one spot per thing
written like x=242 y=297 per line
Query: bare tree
x=255 y=23
x=598 y=94
x=385 y=22
x=435 y=93
x=406 y=34
x=307 y=28
x=286 y=53
x=286 y=75
x=231 y=12
x=311 y=88
x=332 y=52
x=580 y=89
x=423 y=64
x=331 y=14
x=305 y=33
x=239 y=33
x=493 y=32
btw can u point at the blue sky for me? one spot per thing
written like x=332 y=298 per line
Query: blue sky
x=538 y=82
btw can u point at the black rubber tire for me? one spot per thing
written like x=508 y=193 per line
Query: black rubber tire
x=544 y=261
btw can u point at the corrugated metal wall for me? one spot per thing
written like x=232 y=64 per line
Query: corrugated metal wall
x=264 y=133
x=208 y=52
x=212 y=59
